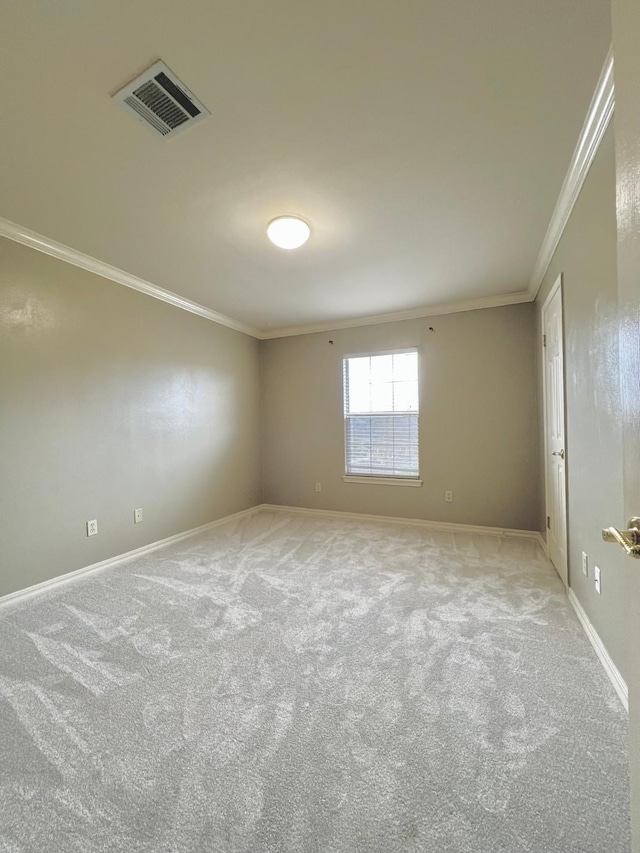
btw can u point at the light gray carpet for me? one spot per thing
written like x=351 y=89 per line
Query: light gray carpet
x=287 y=683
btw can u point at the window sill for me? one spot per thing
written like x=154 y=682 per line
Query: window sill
x=383 y=481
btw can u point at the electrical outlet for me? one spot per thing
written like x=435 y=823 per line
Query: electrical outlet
x=448 y=496
x=596 y=577
x=92 y=527
x=585 y=565
x=137 y=516
x=318 y=487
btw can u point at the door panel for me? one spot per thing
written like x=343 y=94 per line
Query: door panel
x=555 y=471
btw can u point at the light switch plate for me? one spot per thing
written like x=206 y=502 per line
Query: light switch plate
x=596 y=577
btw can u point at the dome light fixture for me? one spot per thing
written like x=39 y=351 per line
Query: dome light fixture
x=288 y=232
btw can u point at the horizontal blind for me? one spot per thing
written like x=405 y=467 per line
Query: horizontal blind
x=381 y=414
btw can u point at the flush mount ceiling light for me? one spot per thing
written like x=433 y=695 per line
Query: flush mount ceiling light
x=288 y=232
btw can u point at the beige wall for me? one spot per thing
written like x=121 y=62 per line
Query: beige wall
x=111 y=400
x=586 y=257
x=626 y=36
x=478 y=433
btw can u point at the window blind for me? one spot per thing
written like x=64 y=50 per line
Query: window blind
x=381 y=414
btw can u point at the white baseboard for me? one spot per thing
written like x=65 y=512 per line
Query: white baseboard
x=418 y=522
x=20 y=594
x=619 y=684
x=542 y=541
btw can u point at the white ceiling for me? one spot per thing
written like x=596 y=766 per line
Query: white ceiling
x=425 y=141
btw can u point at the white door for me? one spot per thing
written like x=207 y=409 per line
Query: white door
x=626 y=56
x=555 y=471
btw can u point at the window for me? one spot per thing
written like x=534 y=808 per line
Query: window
x=381 y=415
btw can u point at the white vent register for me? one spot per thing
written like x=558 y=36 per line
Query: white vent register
x=161 y=101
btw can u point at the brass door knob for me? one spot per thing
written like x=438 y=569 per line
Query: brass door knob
x=628 y=539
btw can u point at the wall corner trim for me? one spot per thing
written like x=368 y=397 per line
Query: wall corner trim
x=60 y=580
x=499 y=301
x=19 y=234
x=594 y=127
x=615 y=677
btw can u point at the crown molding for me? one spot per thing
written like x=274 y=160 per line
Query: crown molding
x=594 y=127
x=414 y=314
x=30 y=238
x=597 y=120
x=79 y=259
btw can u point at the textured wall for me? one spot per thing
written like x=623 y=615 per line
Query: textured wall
x=110 y=400
x=626 y=36
x=477 y=423
x=586 y=256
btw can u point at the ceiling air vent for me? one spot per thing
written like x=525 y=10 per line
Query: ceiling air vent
x=160 y=100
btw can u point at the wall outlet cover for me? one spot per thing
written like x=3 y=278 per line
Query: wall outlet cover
x=448 y=496
x=92 y=527
x=137 y=516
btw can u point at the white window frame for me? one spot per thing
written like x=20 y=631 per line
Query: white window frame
x=413 y=481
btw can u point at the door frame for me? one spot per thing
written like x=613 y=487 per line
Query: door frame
x=557 y=286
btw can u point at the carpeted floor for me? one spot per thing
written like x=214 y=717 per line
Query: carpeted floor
x=310 y=685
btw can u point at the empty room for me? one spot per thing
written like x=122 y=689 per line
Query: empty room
x=319 y=434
